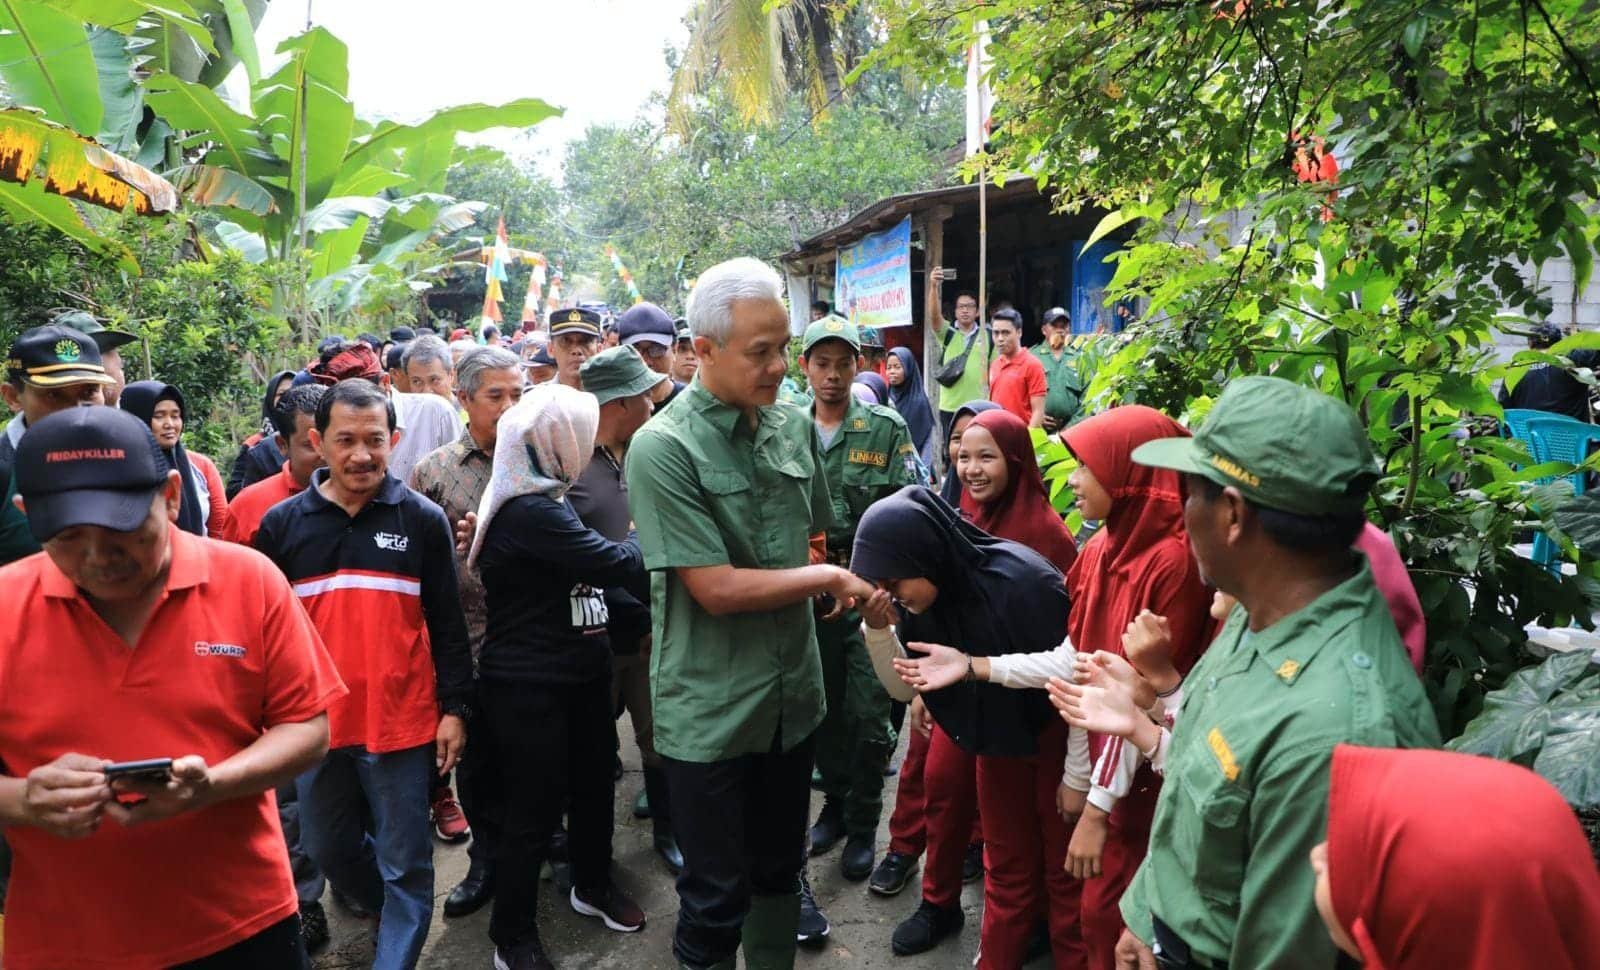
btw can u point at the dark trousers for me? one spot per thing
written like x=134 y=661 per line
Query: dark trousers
x=741 y=825
x=549 y=744
x=308 y=881
x=278 y=947
x=478 y=790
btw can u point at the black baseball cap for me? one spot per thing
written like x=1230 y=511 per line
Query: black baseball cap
x=54 y=356
x=88 y=466
x=646 y=322
x=401 y=334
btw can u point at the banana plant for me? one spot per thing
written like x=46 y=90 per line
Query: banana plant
x=299 y=176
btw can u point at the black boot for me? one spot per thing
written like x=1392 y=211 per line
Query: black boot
x=829 y=828
x=470 y=893
x=666 y=845
x=856 y=860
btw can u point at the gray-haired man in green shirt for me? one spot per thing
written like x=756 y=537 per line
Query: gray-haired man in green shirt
x=1277 y=477
x=727 y=491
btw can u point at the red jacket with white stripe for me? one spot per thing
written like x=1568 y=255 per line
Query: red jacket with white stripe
x=381 y=588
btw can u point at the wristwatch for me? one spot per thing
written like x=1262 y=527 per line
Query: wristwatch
x=970 y=677
x=460 y=709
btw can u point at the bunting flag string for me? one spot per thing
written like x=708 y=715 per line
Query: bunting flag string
x=623 y=274
x=495 y=275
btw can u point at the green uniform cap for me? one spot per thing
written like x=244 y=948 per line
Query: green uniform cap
x=831 y=328
x=618 y=372
x=86 y=324
x=1283 y=446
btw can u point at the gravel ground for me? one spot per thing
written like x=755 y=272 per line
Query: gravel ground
x=862 y=922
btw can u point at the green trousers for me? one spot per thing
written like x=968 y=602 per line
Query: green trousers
x=855 y=739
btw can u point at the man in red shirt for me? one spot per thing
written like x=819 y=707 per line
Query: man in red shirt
x=1017 y=381
x=294 y=417
x=128 y=639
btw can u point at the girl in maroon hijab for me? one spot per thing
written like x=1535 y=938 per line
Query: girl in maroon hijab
x=1437 y=859
x=1138 y=560
x=1024 y=835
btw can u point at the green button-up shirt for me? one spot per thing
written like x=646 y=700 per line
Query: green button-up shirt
x=706 y=489
x=1066 y=384
x=871 y=457
x=1246 y=791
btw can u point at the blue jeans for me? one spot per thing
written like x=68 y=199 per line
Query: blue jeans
x=391 y=873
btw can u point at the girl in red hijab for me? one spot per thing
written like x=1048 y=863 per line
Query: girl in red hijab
x=1138 y=560
x=1437 y=859
x=1024 y=835
x=1003 y=492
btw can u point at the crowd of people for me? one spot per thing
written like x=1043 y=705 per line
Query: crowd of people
x=1197 y=738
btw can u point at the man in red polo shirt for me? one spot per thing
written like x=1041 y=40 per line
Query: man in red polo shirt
x=1017 y=381
x=127 y=640
x=294 y=417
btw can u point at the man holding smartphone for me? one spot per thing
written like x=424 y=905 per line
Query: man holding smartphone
x=131 y=640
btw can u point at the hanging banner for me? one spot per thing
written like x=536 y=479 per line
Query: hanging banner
x=873 y=288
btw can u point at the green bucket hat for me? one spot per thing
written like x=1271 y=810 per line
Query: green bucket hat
x=616 y=373
x=831 y=328
x=1283 y=446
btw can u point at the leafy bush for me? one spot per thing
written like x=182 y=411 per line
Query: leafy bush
x=1546 y=718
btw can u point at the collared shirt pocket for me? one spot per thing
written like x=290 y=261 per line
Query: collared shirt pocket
x=1217 y=820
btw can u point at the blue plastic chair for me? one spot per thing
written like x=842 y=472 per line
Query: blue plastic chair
x=1516 y=422
x=1552 y=437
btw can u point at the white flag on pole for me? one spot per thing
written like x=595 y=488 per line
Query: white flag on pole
x=980 y=99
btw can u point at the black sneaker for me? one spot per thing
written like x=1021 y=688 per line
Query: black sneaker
x=313 y=926
x=813 y=928
x=613 y=908
x=923 y=929
x=892 y=874
x=972 y=865
x=527 y=955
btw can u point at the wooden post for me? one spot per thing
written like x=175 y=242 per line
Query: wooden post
x=932 y=311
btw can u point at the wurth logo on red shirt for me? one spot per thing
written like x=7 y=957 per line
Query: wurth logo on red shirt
x=204 y=649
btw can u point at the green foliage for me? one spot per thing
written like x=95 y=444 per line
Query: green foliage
x=1546 y=718
x=1463 y=134
x=204 y=324
x=674 y=207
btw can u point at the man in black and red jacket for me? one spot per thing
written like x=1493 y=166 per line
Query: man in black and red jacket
x=373 y=564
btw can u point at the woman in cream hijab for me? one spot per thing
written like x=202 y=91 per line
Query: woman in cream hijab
x=545 y=669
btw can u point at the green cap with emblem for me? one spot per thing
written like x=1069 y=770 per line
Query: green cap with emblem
x=831 y=327
x=617 y=373
x=1283 y=446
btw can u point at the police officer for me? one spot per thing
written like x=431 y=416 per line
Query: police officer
x=867 y=454
x=1307 y=660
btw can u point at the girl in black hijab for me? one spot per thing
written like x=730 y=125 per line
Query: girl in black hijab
x=959 y=586
x=141 y=399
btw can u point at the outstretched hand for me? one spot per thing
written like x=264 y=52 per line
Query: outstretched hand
x=1103 y=668
x=1104 y=710
x=940 y=667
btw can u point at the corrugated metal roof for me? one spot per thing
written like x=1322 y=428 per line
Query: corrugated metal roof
x=879 y=214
